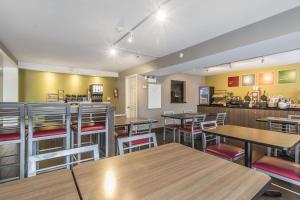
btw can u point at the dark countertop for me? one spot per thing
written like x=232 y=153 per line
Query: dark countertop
x=236 y=107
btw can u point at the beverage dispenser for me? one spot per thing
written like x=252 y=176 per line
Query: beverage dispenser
x=96 y=91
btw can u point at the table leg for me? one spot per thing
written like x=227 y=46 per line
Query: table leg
x=248 y=154
x=182 y=123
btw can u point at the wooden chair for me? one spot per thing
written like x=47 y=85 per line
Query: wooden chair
x=135 y=142
x=225 y=151
x=33 y=160
x=92 y=119
x=46 y=122
x=12 y=131
x=194 y=129
x=170 y=124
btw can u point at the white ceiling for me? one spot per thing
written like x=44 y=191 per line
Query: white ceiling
x=78 y=33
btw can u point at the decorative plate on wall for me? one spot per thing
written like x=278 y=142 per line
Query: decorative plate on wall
x=287 y=76
x=266 y=78
x=248 y=80
x=233 y=81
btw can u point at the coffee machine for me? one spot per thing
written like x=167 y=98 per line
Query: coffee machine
x=96 y=91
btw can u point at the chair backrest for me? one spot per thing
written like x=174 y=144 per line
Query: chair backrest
x=128 y=143
x=187 y=111
x=209 y=125
x=169 y=120
x=294 y=117
x=48 y=115
x=12 y=118
x=92 y=113
x=220 y=119
x=140 y=127
x=32 y=169
x=284 y=126
x=197 y=120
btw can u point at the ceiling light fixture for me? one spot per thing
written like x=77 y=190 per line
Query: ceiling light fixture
x=130 y=38
x=161 y=15
x=112 y=51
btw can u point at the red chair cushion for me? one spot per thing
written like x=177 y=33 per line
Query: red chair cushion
x=90 y=127
x=172 y=126
x=278 y=166
x=225 y=151
x=9 y=137
x=189 y=130
x=121 y=133
x=50 y=132
x=140 y=141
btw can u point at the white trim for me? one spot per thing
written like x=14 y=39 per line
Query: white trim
x=66 y=69
x=126 y=92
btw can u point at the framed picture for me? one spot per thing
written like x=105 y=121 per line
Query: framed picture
x=233 y=81
x=266 y=78
x=287 y=76
x=248 y=80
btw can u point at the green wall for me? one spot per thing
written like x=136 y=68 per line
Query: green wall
x=289 y=90
x=35 y=85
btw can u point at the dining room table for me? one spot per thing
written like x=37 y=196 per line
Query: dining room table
x=58 y=185
x=251 y=136
x=171 y=171
x=182 y=117
x=127 y=121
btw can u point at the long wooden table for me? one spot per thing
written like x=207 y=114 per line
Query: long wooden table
x=280 y=119
x=171 y=171
x=57 y=185
x=256 y=136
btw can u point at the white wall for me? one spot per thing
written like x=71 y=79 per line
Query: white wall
x=10 y=79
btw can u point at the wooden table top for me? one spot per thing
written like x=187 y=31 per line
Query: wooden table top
x=182 y=115
x=281 y=119
x=58 y=185
x=257 y=136
x=170 y=171
x=122 y=121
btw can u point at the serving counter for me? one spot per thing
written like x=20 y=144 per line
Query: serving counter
x=247 y=116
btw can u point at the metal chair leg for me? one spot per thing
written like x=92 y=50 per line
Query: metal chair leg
x=179 y=139
x=78 y=145
x=22 y=159
x=164 y=137
x=193 y=140
x=174 y=135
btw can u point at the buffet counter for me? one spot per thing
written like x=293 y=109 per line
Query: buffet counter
x=247 y=116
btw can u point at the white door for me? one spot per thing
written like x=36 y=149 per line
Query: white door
x=131 y=96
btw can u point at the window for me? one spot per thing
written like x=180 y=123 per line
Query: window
x=177 y=91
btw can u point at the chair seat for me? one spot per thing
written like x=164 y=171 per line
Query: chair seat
x=172 y=126
x=278 y=166
x=121 y=133
x=49 y=132
x=226 y=151
x=189 y=130
x=9 y=137
x=90 y=127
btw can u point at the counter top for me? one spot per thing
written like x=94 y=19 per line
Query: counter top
x=236 y=107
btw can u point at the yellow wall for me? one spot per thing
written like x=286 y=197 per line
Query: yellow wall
x=287 y=90
x=35 y=85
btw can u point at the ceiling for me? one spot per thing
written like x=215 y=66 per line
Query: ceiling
x=76 y=33
x=259 y=62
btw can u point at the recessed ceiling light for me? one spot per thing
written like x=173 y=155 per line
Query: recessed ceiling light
x=161 y=15
x=112 y=51
x=181 y=55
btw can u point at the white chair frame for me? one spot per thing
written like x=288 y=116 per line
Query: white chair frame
x=34 y=111
x=32 y=164
x=84 y=109
x=196 y=123
x=21 y=115
x=121 y=141
x=168 y=121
